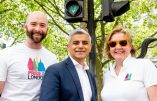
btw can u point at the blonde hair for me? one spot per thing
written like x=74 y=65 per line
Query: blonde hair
x=118 y=29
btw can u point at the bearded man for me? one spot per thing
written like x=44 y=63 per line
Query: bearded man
x=22 y=67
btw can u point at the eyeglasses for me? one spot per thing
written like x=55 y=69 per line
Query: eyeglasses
x=121 y=42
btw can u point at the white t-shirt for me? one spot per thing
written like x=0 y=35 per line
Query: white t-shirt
x=130 y=85
x=22 y=69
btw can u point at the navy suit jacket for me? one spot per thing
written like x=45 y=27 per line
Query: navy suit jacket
x=61 y=83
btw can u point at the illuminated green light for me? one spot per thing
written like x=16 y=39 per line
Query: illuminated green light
x=73 y=8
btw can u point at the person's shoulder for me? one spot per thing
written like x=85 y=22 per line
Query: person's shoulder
x=7 y=50
x=48 y=52
x=57 y=66
x=106 y=73
x=145 y=64
x=137 y=60
x=143 y=60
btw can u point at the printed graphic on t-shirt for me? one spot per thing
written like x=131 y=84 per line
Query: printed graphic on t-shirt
x=36 y=69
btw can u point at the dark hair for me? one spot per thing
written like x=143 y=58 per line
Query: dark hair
x=78 y=31
x=118 y=29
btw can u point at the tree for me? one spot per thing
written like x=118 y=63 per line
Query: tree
x=141 y=20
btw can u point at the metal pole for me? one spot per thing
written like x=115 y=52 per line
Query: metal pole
x=91 y=29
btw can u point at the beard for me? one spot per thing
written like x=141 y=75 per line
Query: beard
x=36 y=36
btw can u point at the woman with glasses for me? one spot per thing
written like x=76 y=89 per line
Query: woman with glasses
x=128 y=79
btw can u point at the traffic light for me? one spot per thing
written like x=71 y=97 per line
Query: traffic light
x=112 y=9
x=74 y=10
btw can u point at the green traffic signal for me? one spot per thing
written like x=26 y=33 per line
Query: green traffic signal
x=74 y=10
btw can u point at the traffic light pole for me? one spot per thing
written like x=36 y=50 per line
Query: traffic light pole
x=74 y=13
x=91 y=29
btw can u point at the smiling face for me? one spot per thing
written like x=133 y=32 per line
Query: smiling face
x=79 y=46
x=120 y=51
x=36 y=27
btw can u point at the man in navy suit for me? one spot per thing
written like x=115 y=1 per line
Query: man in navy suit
x=70 y=80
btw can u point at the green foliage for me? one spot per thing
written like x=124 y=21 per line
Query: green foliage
x=140 y=20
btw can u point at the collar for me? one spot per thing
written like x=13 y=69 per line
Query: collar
x=126 y=64
x=76 y=64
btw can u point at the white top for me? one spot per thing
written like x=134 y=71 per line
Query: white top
x=22 y=69
x=130 y=85
x=84 y=80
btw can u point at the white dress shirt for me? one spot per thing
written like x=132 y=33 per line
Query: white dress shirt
x=84 y=80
